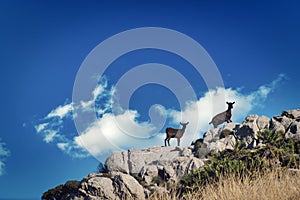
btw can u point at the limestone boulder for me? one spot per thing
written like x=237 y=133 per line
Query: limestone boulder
x=229 y=129
x=293 y=131
x=284 y=121
x=98 y=187
x=276 y=126
x=248 y=131
x=211 y=135
x=221 y=144
x=293 y=114
x=118 y=162
x=173 y=162
x=263 y=123
x=127 y=187
x=106 y=187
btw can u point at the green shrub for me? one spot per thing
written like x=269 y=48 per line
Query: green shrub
x=275 y=152
x=60 y=192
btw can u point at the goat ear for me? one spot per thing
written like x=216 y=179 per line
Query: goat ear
x=180 y=123
x=187 y=123
x=227 y=102
x=233 y=102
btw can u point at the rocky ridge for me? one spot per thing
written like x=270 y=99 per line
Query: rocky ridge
x=136 y=174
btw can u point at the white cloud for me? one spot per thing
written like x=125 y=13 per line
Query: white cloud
x=49 y=135
x=71 y=148
x=118 y=132
x=261 y=94
x=51 y=127
x=4 y=153
x=41 y=127
x=63 y=146
x=123 y=130
x=61 y=111
x=98 y=90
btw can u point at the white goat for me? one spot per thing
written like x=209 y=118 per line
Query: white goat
x=175 y=133
x=223 y=117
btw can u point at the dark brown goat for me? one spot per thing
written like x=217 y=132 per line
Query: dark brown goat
x=175 y=133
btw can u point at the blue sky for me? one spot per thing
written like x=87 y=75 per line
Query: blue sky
x=254 y=44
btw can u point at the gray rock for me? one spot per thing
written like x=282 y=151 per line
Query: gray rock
x=293 y=114
x=222 y=144
x=169 y=174
x=251 y=118
x=96 y=186
x=284 y=121
x=263 y=123
x=229 y=129
x=276 y=125
x=99 y=187
x=149 y=170
x=118 y=162
x=195 y=163
x=293 y=131
x=128 y=187
x=211 y=135
x=248 y=131
x=230 y=142
x=103 y=187
x=219 y=139
x=147 y=163
x=217 y=146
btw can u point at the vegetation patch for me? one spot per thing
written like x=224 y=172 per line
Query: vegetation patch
x=61 y=191
x=273 y=152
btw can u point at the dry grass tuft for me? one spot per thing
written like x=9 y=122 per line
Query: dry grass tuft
x=281 y=184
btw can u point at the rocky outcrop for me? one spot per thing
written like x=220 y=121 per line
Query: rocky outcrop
x=104 y=186
x=219 y=139
x=225 y=137
x=293 y=114
x=136 y=174
x=149 y=163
